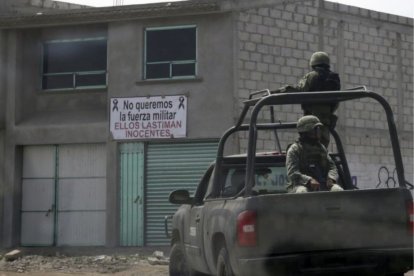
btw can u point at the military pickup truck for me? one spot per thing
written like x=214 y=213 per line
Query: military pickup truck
x=241 y=220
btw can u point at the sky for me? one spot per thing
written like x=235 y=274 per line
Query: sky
x=399 y=7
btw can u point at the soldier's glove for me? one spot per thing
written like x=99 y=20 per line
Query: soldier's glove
x=276 y=91
x=330 y=182
x=284 y=89
x=313 y=184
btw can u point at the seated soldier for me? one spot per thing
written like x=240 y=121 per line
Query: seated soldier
x=309 y=166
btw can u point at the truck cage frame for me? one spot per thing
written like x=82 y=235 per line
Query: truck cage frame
x=256 y=104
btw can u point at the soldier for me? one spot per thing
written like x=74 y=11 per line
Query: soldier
x=309 y=166
x=320 y=79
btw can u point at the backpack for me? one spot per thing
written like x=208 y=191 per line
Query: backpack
x=326 y=81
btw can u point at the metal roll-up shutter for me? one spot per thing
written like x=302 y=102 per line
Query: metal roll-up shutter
x=171 y=167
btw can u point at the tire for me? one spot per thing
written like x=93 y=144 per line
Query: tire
x=223 y=263
x=178 y=264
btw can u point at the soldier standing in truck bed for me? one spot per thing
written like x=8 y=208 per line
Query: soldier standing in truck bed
x=321 y=78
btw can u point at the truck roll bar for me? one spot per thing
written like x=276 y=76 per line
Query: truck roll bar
x=312 y=98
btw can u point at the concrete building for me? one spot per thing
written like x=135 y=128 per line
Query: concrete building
x=32 y=7
x=104 y=111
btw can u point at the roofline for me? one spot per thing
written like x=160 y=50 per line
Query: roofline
x=50 y=18
x=109 y=14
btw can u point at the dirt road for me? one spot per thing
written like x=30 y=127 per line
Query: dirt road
x=88 y=262
x=138 y=270
x=97 y=262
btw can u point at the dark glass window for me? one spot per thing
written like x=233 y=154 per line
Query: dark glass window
x=74 y=64
x=170 y=52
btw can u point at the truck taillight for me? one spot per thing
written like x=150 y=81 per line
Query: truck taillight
x=410 y=207
x=246 y=228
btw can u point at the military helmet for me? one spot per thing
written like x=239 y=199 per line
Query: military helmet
x=308 y=123
x=319 y=58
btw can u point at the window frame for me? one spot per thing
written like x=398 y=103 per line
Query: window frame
x=74 y=74
x=173 y=62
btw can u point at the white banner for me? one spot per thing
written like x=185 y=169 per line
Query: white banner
x=148 y=117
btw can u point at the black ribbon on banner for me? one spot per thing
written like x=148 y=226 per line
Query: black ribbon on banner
x=181 y=99
x=115 y=102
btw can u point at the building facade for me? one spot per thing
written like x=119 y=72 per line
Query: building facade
x=32 y=7
x=105 y=111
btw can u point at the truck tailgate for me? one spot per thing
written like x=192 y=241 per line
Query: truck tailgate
x=359 y=219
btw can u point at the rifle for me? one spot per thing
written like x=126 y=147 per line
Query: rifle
x=316 y=172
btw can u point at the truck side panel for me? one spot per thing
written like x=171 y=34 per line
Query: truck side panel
x=294 y=223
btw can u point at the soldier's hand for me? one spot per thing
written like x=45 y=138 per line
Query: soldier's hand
x=282 y=89
x=329 y=183
x=314 y=184
x=276 y=91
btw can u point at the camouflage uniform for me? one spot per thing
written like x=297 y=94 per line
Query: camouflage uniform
x=307 y=159
x=320 y=79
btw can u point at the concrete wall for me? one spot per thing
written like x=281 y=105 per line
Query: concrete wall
x=366 y=48
x=239 y=51
x=3 y=44
x=33 y=6
x=59 y=116
x=34 y=117
x=212 y=89
x=210 y=95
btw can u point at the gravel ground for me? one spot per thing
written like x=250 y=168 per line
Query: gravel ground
x=89 y=262
x=97 y=261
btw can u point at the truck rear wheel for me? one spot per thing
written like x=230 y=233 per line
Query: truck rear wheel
x=178 y=264
x=223 y=263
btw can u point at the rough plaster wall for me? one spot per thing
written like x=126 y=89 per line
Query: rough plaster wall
x=3 y=56
x=2 y=185
x=366 y=48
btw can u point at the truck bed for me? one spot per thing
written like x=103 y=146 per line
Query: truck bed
x=359 y=227
x=327 y=220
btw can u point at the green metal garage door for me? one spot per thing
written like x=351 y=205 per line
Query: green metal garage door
x=171 y=167
x=132 y=194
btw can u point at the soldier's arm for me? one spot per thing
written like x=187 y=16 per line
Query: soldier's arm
x=284 y=89
x=306 y=82
x=293 y=167
x=304 y=85
x=333 y=172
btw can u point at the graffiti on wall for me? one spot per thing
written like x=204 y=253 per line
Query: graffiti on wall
x=388 y=179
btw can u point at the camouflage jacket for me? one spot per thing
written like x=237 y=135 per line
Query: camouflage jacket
x=306 y=160
x=320 y=79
